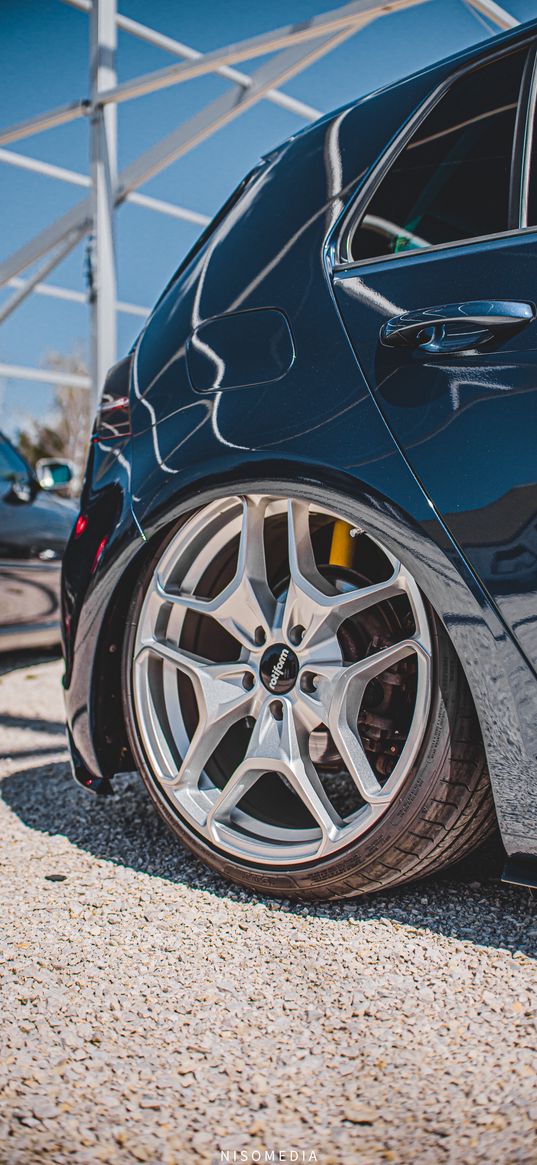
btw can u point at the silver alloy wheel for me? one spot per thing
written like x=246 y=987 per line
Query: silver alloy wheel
x=274 y=668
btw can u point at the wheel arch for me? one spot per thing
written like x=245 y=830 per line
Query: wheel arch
x=485 y=652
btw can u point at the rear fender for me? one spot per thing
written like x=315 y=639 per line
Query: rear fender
x=498 y=678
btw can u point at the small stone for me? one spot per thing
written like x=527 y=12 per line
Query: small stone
x=156 y=1014
x=360 y=1114
x=44 y=1109
x=186 y=1066
x=150 y=1102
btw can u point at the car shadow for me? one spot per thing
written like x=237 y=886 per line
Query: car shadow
x=27 y=657
x=467 y=902
x=33 y=724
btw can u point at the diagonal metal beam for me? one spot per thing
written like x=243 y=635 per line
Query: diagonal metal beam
x=169 y=208
x=495 y=13
x=48 y=169
x=199 y=65
x=50 y=289
x=176 y=47
x=290 y=62
x=72 y=225
x=257 y=46
x=226 y=108
x=42 y=121
x=74 y=178
x=178 y=143
x=30 y=284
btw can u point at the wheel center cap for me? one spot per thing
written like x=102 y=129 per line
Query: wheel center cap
x=279 y=668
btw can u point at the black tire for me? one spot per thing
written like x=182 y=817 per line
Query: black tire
x=443 y=811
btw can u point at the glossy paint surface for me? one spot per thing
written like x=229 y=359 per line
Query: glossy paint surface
x=467 y=423
x=239 y=350
x=322 y=422
x=34 y=528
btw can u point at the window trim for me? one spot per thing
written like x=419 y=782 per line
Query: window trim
x=353 y=214
x=527 y=144
x=517 y=175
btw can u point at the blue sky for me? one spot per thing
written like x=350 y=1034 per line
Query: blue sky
x=44 y=63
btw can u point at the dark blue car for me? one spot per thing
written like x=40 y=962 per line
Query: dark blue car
x=300 y=597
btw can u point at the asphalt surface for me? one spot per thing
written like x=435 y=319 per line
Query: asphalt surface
x=153 y=1013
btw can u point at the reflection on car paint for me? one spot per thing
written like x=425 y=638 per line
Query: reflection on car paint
x=420 y=442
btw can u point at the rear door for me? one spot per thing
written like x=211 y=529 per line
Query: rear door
x=437 y=285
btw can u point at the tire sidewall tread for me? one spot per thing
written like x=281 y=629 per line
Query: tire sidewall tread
x=451 y=759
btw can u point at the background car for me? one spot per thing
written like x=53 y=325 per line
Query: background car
x=34 y=528
x=300 y=596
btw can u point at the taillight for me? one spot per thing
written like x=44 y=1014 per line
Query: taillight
x=113 y=419
x=80 y=525
x=99 y=553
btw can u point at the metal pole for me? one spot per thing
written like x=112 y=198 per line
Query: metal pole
x=497 y=15
x=279 y=68
x=76 y=179
x=170 y=45
x=103 y=133
x=52 y=291
x=45 y=376
x=291 y=35
x=48 y=120
x=78 y=220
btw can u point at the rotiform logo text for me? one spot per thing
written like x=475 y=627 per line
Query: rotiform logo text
x=278 y=668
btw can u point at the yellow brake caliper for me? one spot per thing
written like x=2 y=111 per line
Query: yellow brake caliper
x=342 y=545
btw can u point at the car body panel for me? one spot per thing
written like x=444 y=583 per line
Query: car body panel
x=34 y=529
x=318 y=423
x=240 y=349
x=467 y=423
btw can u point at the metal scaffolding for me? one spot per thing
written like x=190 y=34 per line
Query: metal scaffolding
x=294 y=47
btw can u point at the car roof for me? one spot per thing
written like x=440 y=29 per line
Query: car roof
x=436 y=72
x=471 y=53
x=489 y=45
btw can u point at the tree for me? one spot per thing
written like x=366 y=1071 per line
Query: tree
x=66 y=430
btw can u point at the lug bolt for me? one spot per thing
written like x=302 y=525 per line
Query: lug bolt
x=277 y=709
x=248 y=681
x=259 y=636
x=296 y=634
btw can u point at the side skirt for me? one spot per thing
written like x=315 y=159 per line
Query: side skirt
x=521 y=870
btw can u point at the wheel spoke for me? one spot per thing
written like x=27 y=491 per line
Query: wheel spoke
x=342 y=721
x=315 y=688
x=221 y=700
x=240 y=782
x=307 y=587
x=227 y=536
x=311 y=603
x=246 y=606
x=277 y=745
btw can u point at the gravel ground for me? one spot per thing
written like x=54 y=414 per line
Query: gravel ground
x=153 y=1013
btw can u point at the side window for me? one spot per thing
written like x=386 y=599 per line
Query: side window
x=11 y=463
x=452 y=179
x=12 y=467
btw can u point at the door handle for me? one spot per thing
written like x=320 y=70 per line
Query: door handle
x=456 y=327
